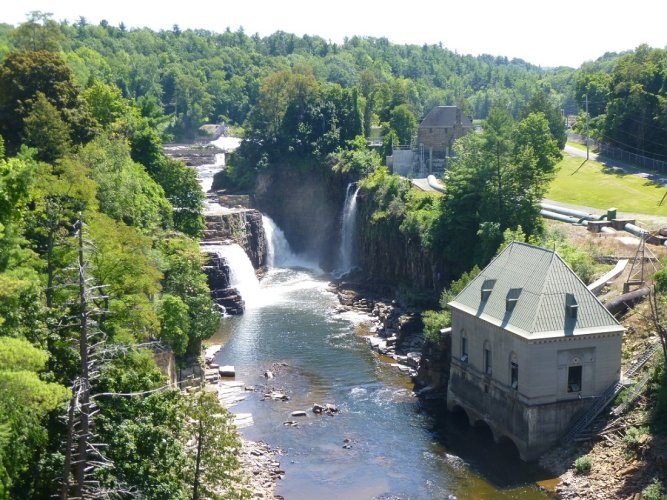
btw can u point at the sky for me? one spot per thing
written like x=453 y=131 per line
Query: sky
x=548 y=34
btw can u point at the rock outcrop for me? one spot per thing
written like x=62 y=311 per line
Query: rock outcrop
x=242 y=226
x=217 y=272
x=433 y=373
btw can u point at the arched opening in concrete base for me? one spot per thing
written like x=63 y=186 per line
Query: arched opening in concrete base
x=483 y=429
x=459 y=414
x=508 y=446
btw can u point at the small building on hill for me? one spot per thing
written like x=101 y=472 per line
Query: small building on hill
x=532 y=347
x=440 y=128
x=435 y=137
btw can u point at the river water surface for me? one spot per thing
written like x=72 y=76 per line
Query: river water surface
x=395 y=448
x=382 y=443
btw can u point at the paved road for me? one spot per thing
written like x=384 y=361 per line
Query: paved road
x=657 y=178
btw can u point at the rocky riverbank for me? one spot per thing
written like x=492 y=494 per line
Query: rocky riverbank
x=260 y=468
x=395 y=331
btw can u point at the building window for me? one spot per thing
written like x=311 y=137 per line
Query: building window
x=464 y=348
x=487 y=358
x=574 y=378
x=514 y=372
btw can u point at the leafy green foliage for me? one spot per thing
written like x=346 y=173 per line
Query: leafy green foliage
x=633 y=437
x=25 y=400
x=434 y=321
x=215 y=460
x=145 y=434
x=184 y=280
x=583 y=464
x=654 y=491
x=358 y=159
x=457 y=286
x=174 y=323
x=660 y=279
x=25 y=74
x=44 y=116
x=403 y=122
x=125 y=190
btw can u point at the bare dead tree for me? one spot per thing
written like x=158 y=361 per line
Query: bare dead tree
x=83 y=456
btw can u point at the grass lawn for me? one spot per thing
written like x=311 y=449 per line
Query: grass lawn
x=594 y=185
x=579 y=146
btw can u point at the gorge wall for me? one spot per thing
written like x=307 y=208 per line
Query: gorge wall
x=387 y=256
x=306 y=204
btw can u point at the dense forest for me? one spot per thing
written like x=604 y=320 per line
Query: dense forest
x=99 y=259
x=99 y=268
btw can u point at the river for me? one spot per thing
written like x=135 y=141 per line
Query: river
x=382 y=443
x=395 y=449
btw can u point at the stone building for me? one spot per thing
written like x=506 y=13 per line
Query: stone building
x=435 y=137
x=439 y=129
x=532 y=347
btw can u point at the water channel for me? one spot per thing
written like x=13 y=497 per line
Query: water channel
x=382 y=443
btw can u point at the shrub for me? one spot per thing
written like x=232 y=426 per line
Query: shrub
x=653 y=492
x=633 y=437
x=434 y=321
x=583 y=464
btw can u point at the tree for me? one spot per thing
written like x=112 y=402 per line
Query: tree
x=146 y=432
x=125 y=190
x=183 y=191
x=25 y=401
x=403 y=122
x=43 y=117
x=39 y=32
x=122 y=259
x=540 y=102
x=106 y=103
x=496 y=181
x=215 y=461
x=174 y=323
x=184 y=279
x=22 y=76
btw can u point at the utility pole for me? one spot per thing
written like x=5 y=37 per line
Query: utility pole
x=587 y=127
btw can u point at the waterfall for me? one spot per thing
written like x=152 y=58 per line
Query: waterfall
x=348 y=225
x=279 y=252
x=242 y=274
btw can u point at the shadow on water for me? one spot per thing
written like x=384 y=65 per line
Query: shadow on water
x=503 y=474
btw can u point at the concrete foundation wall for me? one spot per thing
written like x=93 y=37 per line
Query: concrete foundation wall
x=532 y=429
x=402 y=162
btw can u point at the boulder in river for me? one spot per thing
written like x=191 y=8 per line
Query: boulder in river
x=227 y=371
x=299 y=413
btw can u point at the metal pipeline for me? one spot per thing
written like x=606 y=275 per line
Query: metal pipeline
x=623 y=302
x=433 y=182
x=636 y=230
x=563 y=218
x=571 y=212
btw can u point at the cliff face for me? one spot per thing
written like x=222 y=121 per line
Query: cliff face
x=306 y=204
x=243 y=226
x=386 y=255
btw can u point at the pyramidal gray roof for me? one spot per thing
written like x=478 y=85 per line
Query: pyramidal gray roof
x=445 y=116
x=532 y=292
